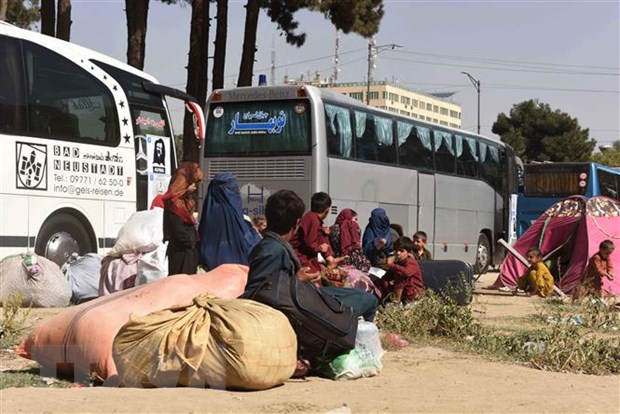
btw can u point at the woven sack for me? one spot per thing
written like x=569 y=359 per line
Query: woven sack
x=45 y=288
x=217 y=343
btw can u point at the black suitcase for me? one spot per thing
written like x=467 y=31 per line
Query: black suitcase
x=439 y=274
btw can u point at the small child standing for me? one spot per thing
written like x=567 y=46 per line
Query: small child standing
x=599 y=267
x=537 y=278
x=420 y=252
x=404 y=275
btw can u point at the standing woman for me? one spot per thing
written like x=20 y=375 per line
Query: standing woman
x=226 y=237
x=179 y=222
x=377 y=240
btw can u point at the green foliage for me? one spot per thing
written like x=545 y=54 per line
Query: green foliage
x=358 y=16
x=178 y=147
x=12 y=320
x=610 y=157
x=23 y=13
x=29 y=379
x=570 y=339
x=538 y=133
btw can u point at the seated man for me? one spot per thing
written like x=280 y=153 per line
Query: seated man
x=284 y=210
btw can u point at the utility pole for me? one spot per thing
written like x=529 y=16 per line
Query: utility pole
x=273 y=60
x=372 y=47
x=336 y=57
x=373 y=51
x=476 y=84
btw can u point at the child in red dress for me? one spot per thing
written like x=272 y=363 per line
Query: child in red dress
x=404 y=277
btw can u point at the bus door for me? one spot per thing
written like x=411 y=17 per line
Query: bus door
x=426 y=209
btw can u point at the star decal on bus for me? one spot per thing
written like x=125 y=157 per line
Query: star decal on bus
x=127 y=138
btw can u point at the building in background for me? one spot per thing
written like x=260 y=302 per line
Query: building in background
x=395 y=98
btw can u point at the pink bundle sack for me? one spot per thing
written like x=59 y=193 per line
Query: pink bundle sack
x=79 y=340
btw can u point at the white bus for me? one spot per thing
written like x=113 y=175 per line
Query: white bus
x=85 y=141
x=451 y=184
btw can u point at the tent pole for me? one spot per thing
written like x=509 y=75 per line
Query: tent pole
x=522 y=259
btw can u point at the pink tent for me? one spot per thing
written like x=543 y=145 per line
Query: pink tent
x=573 y=228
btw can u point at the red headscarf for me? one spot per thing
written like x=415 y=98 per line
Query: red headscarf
x=177 y=199
x=349 y=232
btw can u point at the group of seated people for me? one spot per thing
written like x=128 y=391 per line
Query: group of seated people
x=337 y=258
x=291 y=240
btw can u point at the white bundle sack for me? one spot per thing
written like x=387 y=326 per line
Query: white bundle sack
x=142 y=232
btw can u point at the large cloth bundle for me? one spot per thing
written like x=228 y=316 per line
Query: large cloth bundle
x=38 y=281
x=82 y=272
x=79 y=340
x=217 y=343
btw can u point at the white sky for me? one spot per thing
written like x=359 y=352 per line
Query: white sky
x=565 y=53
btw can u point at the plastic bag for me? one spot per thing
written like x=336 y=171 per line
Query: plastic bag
x=153 y=266
x=362 y=361
x=359 y=362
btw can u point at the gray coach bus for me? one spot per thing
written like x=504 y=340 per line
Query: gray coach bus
x=454 y=185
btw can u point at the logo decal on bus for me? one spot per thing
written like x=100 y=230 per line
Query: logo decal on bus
x=272 y=125
x=31 y=168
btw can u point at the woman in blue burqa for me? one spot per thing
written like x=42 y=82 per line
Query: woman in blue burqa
x=377 y=240
x=225 y=236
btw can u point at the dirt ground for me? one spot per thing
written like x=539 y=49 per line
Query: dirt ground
x=416 y=379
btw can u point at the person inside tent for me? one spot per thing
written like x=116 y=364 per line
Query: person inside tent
x=179 y=220
x=226 y=236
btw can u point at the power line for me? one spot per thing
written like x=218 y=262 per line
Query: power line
x=557 y=72
x=503 y=61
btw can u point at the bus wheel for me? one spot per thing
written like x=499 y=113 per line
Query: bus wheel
x=61 y=236
x=483 y=255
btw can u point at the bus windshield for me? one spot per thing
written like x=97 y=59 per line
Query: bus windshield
x=546 y=180
x=255 y=128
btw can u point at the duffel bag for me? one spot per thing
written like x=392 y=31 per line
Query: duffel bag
x=324 y=326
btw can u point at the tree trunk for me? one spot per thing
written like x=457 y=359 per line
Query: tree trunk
x=48 y=17
x=63 y=22
x=4 y=4
x=219 y=54
x=137 y=12
x=246 y=69
x=197 y=75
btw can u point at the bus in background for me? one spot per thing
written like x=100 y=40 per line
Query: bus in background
x=453 y=185
x=85 y=141
x=544 y=184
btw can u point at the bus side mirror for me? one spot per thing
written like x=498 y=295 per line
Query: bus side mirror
x=194 y=108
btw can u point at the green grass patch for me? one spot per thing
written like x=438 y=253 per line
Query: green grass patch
x=30 y=378
x=561 y=337
x=12 y=321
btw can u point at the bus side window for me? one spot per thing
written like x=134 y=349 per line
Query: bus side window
x=385 y=138
x=415 y=148
x=338 y=131
x=67 y=102
x=444 y=151
x=365 y=137
x=609 y=184
x=12 y=91
x=466 y=156
x=490 y=164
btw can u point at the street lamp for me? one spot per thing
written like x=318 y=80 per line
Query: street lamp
x=476 y=84
x=377 y=49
